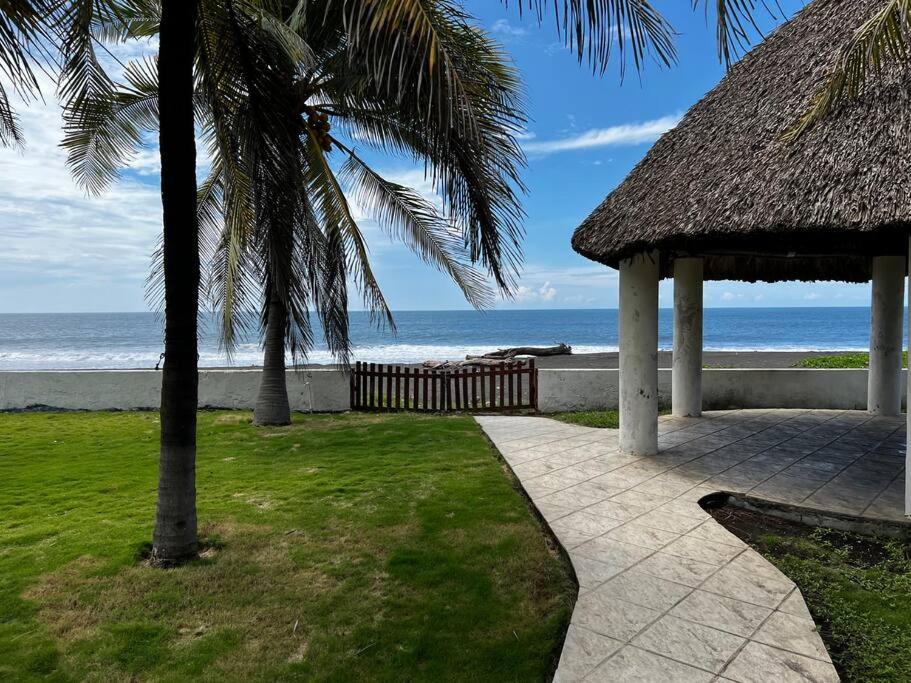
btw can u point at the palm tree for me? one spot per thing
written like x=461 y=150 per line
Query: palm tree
x=214 y=56
x=338 y=85
x=175 y=536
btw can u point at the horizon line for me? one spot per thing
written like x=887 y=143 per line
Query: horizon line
x=462 y=310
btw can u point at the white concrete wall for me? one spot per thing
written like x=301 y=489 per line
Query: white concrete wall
x=558 y=390
x=567 y=390
x=316 y=390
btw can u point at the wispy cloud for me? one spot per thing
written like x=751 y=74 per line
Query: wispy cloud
x=504 y=28
x=614 y=136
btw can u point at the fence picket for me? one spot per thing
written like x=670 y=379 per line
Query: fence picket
x=370 y=385
x=533 y=384
x=493 y=388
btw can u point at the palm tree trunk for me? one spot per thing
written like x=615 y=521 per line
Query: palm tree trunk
x=272 y=407
x=175 y=539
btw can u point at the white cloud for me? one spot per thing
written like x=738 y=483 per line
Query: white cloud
x=614 y=136
x=729 y=296
x=547 y=293
x=561 y=286
x=57 y=237
x=543 y=294
x=503 y=27
x=811 y=296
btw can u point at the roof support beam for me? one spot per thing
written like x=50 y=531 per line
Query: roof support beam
x=639 y=354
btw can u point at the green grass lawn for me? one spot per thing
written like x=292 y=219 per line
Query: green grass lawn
x=858 y=589
x=346 y=547
x=843 y=360
x=599 y=419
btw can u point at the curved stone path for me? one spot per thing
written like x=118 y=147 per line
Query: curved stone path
x=666 y=593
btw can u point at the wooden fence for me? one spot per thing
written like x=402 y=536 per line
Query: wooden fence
x=508 y=386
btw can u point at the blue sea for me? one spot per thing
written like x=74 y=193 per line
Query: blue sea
x=134 y=340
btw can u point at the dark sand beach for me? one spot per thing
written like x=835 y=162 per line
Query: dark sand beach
x=711 y=359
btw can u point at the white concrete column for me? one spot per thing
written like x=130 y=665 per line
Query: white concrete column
x=686 y=377
x=639 y=354
x=884 y=378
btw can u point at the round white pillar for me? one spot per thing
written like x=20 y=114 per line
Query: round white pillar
x=639 y=354
x=686 y=377
x=887 y=306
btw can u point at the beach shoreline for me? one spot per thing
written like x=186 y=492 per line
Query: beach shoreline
x=610 y=360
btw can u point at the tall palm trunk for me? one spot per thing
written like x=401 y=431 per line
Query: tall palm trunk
x=272 y=407
x=175 y=536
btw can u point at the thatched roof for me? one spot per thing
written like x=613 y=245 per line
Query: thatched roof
x=724 y=185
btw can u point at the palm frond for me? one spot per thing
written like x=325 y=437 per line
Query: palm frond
x=335 y=213
x=883 y=37
x=21 y=30
x=406 y=47
x=414 y=221
x=735 y=24
x=476 y=170
x=597 y=29
x=83 y=77
x=106 y=131
x=130 y=20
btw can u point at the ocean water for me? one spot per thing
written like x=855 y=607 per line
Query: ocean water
x=134 y=340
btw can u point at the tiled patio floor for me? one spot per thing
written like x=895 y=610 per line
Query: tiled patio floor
x=666 y=593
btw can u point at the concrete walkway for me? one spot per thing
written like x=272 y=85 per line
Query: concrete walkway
x=666 y=593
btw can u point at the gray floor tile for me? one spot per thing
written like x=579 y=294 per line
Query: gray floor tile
x=702 y=550
x=568 y=536
x=583 y=650
x=612 y=617
x=633 y=665
x=588 y=523
x=648 y=501
x=758 y=589
x=637 y=534
x=691 y=643
x=644 y=590
x=607 y=549
x=677 y=569
x=713 y=531
x=759 y=663
x=794 y=633
x=668 y=520
x=794 y=604
x=717 y=611
x=592 y=573
x=623 y=512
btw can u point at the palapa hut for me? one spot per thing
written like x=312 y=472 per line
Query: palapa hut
x=723 y=197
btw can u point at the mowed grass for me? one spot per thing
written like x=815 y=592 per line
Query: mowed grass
x=843 y=360
x=348 y=547
x=599 y=419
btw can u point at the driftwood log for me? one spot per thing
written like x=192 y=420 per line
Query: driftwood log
x=495 y=358
x=508 y=354
x=467 y=363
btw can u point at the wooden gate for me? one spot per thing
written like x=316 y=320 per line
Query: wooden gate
x=507 y=386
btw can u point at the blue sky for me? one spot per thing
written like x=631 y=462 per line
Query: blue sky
x=66 y=252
